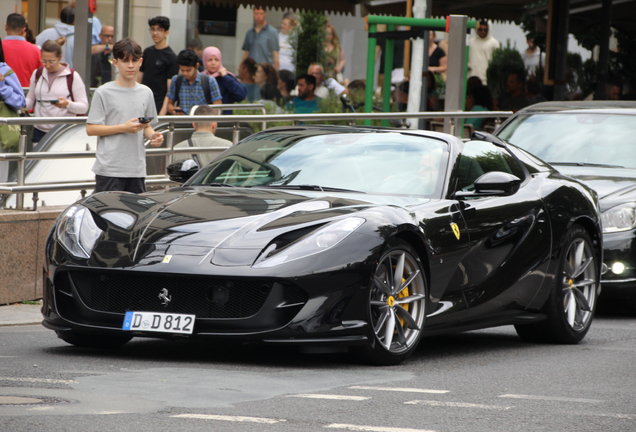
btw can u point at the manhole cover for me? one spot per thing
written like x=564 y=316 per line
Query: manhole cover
x=30 y=400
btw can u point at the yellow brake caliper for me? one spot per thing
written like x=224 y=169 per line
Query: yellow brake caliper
x=402 y=294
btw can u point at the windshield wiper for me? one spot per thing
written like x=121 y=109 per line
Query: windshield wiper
x=311 y=187
x=221 y=185
x=586 y=164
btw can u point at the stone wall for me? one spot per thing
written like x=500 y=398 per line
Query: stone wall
x=22 y=240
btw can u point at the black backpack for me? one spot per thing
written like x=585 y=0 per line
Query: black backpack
x=205 y=83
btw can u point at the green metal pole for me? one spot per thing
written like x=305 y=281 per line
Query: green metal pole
x=388 y=68
x=368 y=97
x=438 y=24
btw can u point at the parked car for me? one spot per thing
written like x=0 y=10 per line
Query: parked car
x=594 y=142
x=330 y=236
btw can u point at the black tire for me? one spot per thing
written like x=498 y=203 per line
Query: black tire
x=93 y=341
x=396 y=313
x=572 y=301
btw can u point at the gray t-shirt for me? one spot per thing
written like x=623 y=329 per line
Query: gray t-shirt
x=121 y=155
x=260 y=45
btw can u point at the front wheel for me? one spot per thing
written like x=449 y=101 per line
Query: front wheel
x=397 y=300
x=571 y=304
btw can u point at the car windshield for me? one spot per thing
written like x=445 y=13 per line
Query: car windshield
x=579 y=138
x=377 y=163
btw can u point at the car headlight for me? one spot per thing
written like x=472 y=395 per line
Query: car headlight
x=319 y=241
x=619 y=218
x=77 y=231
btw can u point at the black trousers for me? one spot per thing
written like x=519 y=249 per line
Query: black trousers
x=127 y=184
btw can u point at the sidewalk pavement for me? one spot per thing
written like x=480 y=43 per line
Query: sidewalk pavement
x=20 y=314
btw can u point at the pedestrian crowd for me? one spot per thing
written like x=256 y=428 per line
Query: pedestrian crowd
x=157 y=81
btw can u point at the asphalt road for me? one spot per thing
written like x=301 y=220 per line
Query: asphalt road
x=477 y=381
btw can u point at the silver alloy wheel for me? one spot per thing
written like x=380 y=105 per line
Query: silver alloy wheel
x=397 y=301
x=579 y=284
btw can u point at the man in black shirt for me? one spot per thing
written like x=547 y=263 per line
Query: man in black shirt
x=101 y=61
x=160 y=62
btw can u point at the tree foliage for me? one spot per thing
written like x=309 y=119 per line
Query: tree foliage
x=529 y=24
x=622 y=63
x=625 y=57
x=621 y=68
x=505 y=60
x=309 y=40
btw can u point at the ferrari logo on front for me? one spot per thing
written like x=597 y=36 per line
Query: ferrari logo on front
x=167 y=259
x=164 y=297
x=455 y=229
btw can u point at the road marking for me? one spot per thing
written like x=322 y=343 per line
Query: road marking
x=373 y=428
x=456 y=405
x=39 y=380
x=551 y=398
x=230 y=418
x=326 y=396
x=400 y=389
x=618 y=416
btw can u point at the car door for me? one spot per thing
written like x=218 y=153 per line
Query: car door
x=448 y=243
x=509 y=234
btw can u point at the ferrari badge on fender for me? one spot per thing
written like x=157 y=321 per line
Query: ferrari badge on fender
x=455 y=229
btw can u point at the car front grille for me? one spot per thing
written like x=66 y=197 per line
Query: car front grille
x=206 y=297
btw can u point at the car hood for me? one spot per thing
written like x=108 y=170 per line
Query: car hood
x=613 y=185
x=200 y=219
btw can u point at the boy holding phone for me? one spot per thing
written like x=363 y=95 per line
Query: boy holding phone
x=114 y=117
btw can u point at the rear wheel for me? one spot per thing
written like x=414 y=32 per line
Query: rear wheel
x=572 y=301
x=93 y=341
x=397 y=300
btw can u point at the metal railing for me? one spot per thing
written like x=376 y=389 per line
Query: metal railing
x=22 y=156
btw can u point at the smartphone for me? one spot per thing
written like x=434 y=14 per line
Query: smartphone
x=145 y=119
x=177 y=109
x=53 y=101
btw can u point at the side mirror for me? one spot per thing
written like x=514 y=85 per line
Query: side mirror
x=494 y=183
x=181 y=170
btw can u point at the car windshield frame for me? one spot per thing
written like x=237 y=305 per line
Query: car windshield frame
x=377 y=162
x=575 y=137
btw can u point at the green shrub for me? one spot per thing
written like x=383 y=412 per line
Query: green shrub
x=505 y=60
x=309 y=40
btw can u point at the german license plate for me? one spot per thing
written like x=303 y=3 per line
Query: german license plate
x=159 y=322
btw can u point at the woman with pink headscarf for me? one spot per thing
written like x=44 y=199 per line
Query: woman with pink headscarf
x=231 y=89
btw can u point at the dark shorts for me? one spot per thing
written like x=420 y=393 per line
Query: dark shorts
x=128 y=184
x=37 y=135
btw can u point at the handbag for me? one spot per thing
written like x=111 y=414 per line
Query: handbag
x=9 y=134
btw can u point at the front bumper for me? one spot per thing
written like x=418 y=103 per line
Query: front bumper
x=295 y=310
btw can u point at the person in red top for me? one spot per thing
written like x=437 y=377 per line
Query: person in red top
x=23 y=57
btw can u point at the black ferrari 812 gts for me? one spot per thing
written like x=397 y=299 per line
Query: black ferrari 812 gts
x=332 y=236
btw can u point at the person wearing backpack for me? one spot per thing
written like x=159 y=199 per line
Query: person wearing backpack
x=191 y=87
x=11 y=101
x=55 y=90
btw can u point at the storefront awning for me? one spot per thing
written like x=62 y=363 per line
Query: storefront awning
x=331 y=6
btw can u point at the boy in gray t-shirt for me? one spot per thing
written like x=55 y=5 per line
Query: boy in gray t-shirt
x=114 y=117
